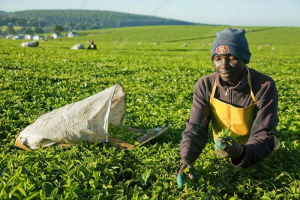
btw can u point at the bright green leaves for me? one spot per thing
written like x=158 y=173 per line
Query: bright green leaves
x=225 y=133
x=123 y=134
x=145 y=176
x=159 y=82
x=47 y=188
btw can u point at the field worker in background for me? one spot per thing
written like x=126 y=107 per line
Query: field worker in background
x=237 y=97
x=92 y=45
x=30 y=44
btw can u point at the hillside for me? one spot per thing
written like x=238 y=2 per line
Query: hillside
x=91 y=19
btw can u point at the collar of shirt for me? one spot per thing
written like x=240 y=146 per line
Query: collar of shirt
x=242 y=83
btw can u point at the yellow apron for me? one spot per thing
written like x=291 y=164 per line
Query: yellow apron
x=239 y=120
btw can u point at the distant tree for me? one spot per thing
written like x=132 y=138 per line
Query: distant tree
x=21 y=30
x=10 y=30
x=84 y=27
x=34 y=23
x=68 y=26
x=94 y=27
x=28 y=31
x=57 y=28
x=78 y=26
x=84 y=19
x=28 y=23
x=38 y=30
x=47 y=30
x=21 y=22
x=42 y=24
x=4 y=33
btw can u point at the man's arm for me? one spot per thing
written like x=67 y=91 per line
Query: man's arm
x=261 y=142
x=195 y=136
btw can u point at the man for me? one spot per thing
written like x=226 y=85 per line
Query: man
x=92 y=45
x=234 y=97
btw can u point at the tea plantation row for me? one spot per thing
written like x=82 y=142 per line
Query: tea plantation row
x=159 y=81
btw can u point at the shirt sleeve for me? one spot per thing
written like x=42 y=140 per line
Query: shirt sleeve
x=195 y=136
x=261 y=141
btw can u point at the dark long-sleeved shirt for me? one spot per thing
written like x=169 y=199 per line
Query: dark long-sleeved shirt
x=92 y=46
x=261 y=141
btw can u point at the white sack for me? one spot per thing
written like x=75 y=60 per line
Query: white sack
x=78 y=46
x=86 y=120
x=29 y=44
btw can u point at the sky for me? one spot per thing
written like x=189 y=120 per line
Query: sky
x=229 y=12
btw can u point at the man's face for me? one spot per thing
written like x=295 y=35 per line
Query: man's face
x=229 y=67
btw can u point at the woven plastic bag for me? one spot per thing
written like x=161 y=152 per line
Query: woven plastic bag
x=30 y=44
x=78 y=46
x=86 y=120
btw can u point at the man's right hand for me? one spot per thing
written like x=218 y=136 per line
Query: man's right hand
x=185 y=163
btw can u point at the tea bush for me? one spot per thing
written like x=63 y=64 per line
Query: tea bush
x=159 y=82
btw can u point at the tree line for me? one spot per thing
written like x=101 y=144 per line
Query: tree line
x=28 y=26
x=83 y=19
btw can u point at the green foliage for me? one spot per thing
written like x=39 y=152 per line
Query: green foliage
x=10 y=30
x=57 y=28
x=226 y=133
x=28 y=31
x=123 y=134
x=38 y=30
x=159 y=82
x=91 y=19
x=4 y=20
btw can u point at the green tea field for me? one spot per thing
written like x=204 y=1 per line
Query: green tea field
x=158 y=75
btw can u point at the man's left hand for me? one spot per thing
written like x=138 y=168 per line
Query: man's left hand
x=227 y=148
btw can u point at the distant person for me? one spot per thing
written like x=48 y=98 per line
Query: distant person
x=235 y=97
x=92 y=46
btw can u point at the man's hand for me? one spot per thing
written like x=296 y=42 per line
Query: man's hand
x=185 y=163
x=227 y=148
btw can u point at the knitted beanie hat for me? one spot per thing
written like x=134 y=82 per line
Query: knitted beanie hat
x=231 y=41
